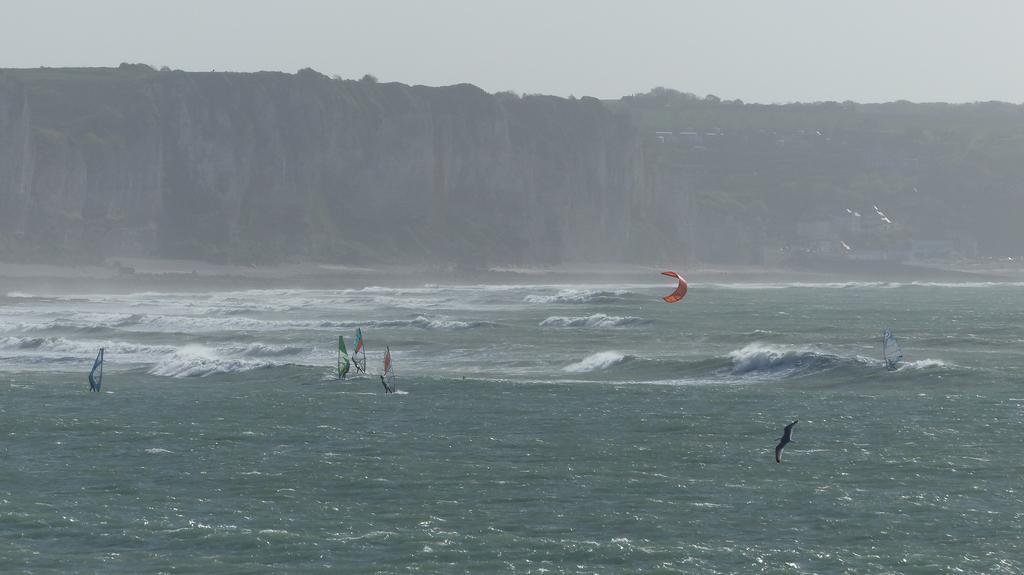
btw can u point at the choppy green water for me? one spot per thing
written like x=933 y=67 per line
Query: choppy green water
x=597 y=430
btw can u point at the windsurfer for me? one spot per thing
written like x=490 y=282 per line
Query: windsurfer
x=385 y=384
x=96 y=374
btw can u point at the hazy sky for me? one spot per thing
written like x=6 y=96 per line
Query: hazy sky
x=758 y=50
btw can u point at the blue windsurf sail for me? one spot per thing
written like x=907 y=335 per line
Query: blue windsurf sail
x=96 y=374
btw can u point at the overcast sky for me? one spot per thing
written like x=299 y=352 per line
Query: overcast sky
x=757 y=50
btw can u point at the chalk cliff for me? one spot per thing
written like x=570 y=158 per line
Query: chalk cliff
x=270 y=167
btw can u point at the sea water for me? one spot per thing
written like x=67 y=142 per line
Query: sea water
x=536 y=429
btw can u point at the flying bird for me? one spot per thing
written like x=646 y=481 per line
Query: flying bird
x=787 y=436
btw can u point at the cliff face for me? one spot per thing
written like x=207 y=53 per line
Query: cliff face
x=268 y=166
x=807 y=179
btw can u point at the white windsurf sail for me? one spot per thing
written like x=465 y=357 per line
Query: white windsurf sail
x=892 y=353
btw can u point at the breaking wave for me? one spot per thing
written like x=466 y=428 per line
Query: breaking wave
x=169 y=360
x=77 y=322
x=926 y=364
x=597 y=361
x=444 y=323
x=579 y=296
x=741 y=337
x=860 y=284
x=62 y=345
x=262 y=349
x=200 y=361
x=132 y=319
x=598 y=320
x=23 y=342
x=761 y=358
x=421 y=322
x=215 y=322
x=814 y=285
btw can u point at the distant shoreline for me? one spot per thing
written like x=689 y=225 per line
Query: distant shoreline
x=135 y=275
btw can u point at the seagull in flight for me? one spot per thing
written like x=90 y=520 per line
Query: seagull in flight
x=787 y=436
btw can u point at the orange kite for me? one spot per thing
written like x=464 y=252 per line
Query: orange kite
x=680 y=290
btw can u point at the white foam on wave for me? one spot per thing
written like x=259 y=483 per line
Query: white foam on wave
x=405 y=302
x=597 y=320
x=68 y=346
x=788 y=285
x=257 y=349
x=761 y=357
x=578 y=296
x=966 y=284
x=421 y=322
x=43 y=349
x=73 y=321
x=446 y=323
x=854 y=284
x=248 y=309
x=597 y=361
x=925 y=364
x=192 y=324
x=200 y=361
